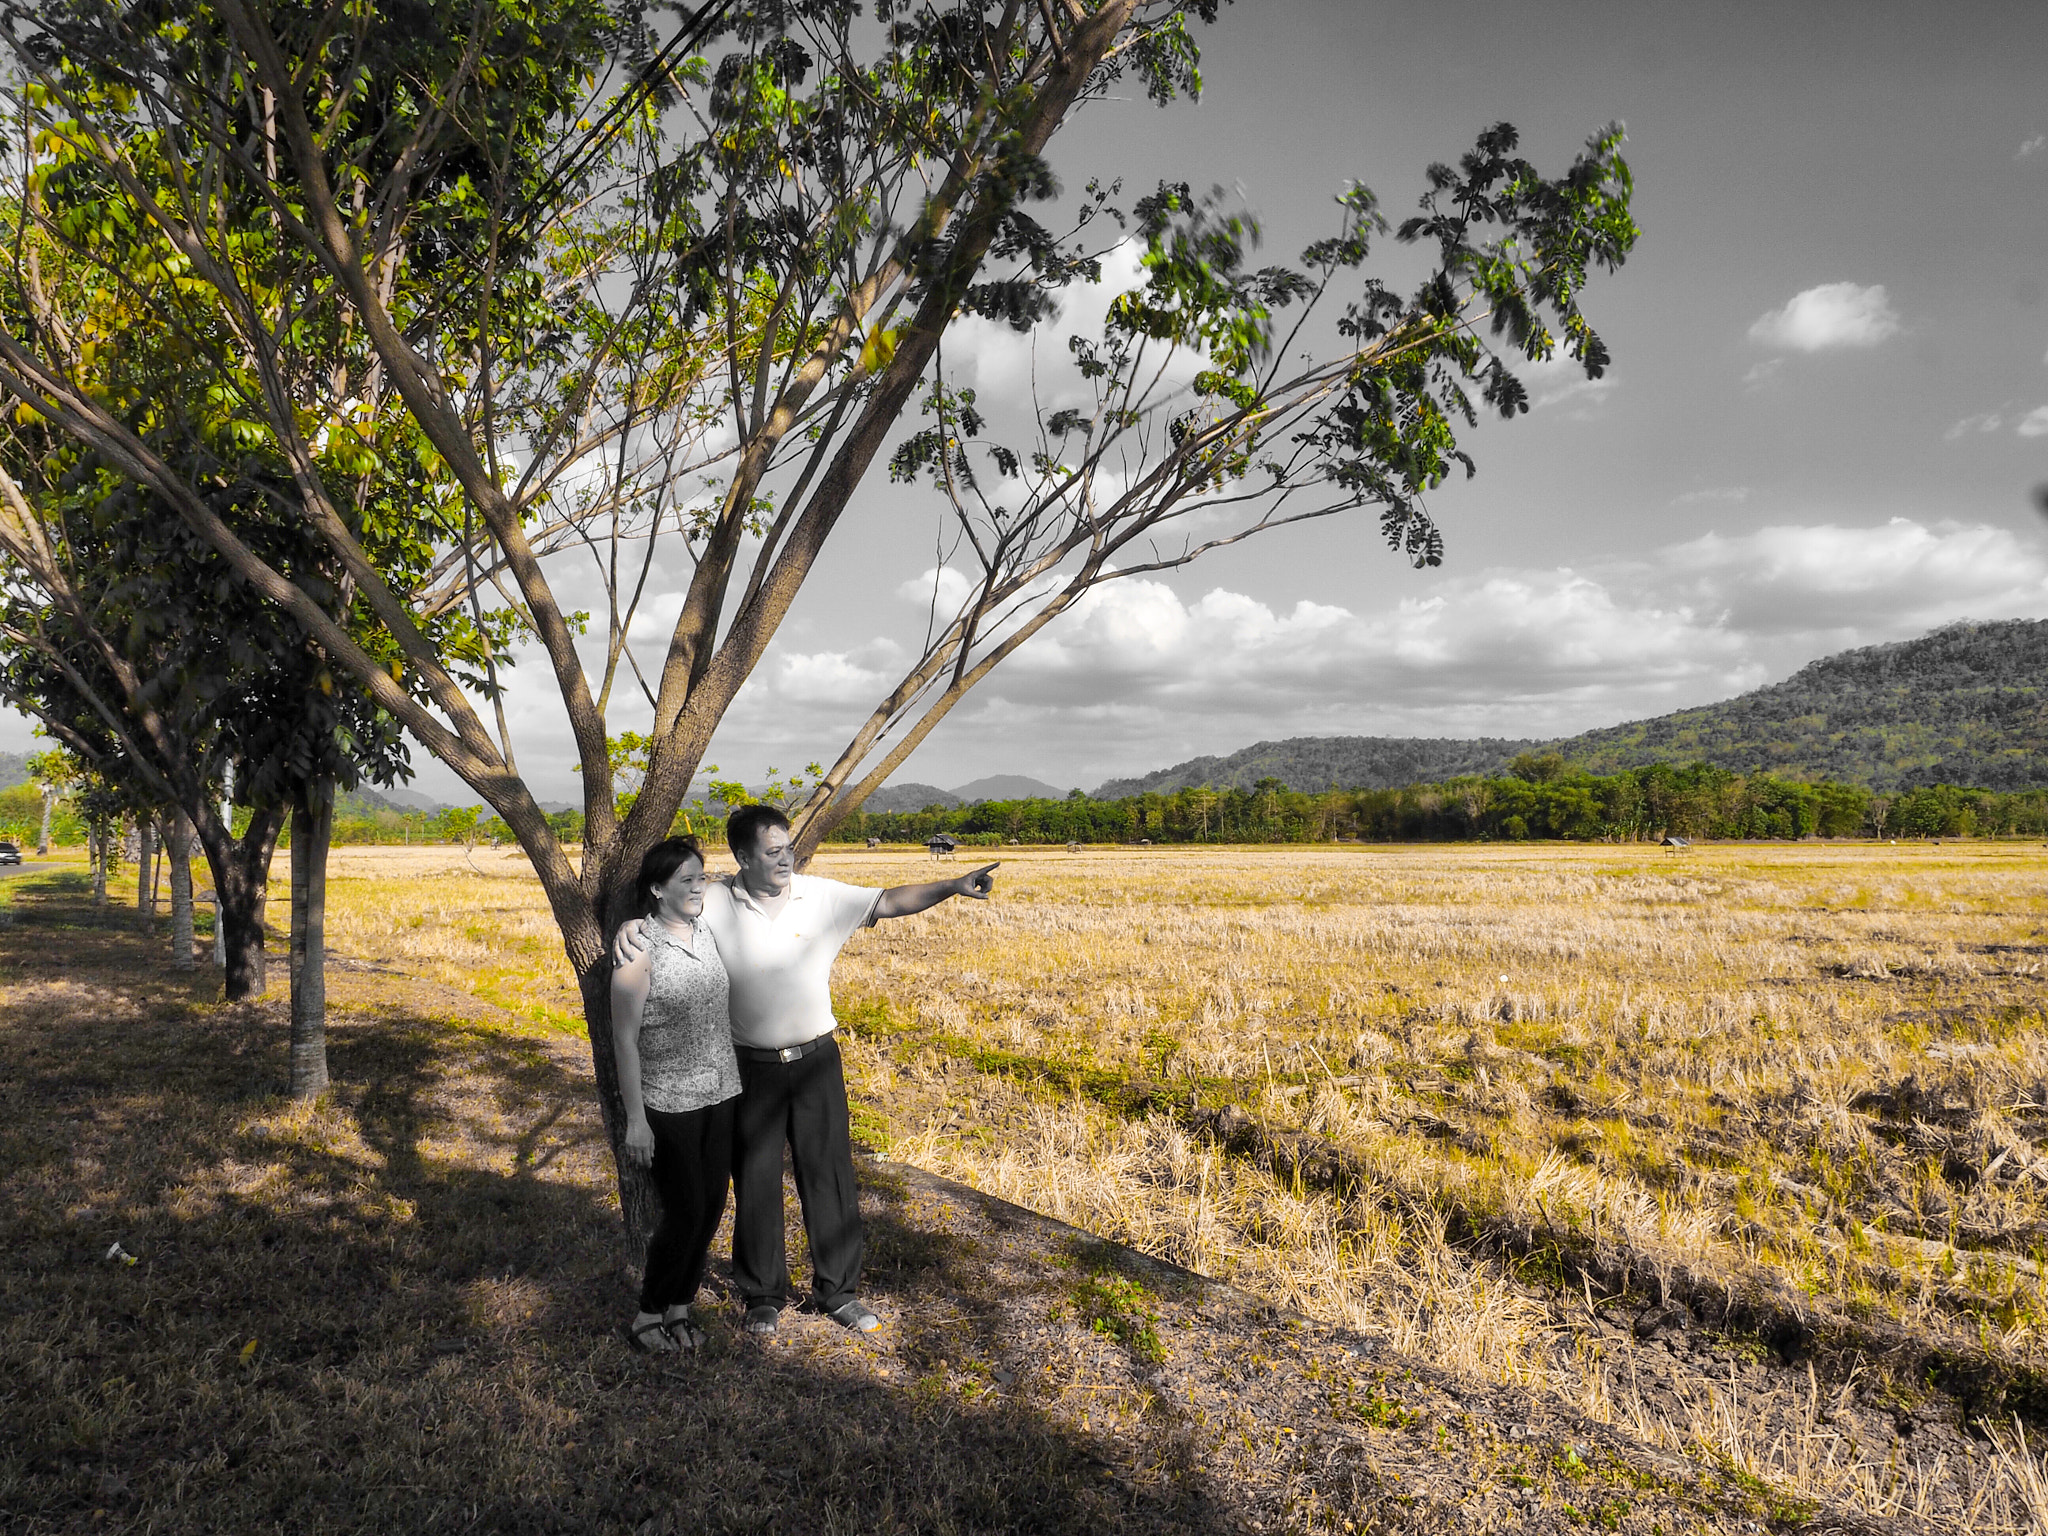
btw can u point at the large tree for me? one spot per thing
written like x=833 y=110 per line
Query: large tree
x=667 y=287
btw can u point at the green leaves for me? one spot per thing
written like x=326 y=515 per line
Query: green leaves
x=1198 y=292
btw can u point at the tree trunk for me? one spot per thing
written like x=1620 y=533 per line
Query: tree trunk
x=98 y=847
x=227 y=820
x=145 y=872
x=49 y=801
x=178 y=842
x=312 y=827
x=241 y=876
x=639 y=1203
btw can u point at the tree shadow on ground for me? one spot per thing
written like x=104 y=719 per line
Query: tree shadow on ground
x=398 y=1309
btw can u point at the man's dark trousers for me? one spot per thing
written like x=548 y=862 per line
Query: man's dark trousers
x=801 y=1103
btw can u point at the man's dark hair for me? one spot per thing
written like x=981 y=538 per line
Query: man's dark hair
x=743 y=827
x=661 y=863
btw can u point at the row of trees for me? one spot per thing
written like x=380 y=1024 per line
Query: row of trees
x=1700 y=801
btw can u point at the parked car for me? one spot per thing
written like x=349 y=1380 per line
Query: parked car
x=9 y=854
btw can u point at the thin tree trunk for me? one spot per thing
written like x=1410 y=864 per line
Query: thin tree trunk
x=43 y=841
x=101 y=842
x=178 y=840
x=145 y=871
x=312 y=828
x=227 y=820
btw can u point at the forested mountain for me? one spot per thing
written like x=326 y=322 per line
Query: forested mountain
x=1967 y=704
x=1313 y=763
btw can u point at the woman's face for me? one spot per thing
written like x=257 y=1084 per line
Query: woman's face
x=683 y=896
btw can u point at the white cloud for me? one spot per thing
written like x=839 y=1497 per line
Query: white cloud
x=1983 y=421
x=1763 y=372
x=1713 y=495
x=2034 y=423
x=1007 y=368
x=1829 y=317
x=953 y=590
x=1562 y=381
x=2032 y=147
x=1822 y=580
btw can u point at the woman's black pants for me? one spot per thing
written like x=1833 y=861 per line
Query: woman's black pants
x=692 y=1169
x=801 y=1104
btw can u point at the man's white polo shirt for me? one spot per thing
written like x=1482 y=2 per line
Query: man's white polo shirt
x=781 y=966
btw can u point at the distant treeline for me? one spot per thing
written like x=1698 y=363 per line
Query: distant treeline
x=1541 y=798
x=358 y=823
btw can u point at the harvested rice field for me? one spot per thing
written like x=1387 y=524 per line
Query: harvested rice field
x=1739 y=1153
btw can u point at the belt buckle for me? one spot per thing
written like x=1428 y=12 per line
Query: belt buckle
x=790 y=1053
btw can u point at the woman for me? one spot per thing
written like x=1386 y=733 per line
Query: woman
x=680 y=1081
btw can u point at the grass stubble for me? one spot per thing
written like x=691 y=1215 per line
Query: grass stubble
x=1736 y=1151
x=1547 y=1116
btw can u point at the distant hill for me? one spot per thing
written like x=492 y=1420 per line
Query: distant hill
x=1967 y=704
x=998 y=786
x=909 y=797
x=1314 y=763
x=1008 y=786
x=13 y=769
x=400 y=799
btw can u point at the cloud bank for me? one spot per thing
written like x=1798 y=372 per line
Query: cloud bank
x=1141 y=675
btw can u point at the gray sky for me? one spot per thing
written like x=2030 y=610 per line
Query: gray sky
x=1828 y=403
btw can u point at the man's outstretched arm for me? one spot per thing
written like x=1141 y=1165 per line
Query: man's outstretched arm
x=902 y=900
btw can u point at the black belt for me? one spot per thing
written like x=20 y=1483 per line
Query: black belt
x=787 y=1053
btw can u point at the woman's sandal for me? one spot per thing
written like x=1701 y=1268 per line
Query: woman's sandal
x=641 y=1343
x=687 y=1335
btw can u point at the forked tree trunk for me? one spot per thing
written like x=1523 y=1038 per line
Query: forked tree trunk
x=312 y=830
x=178 y=843
x=241 y=876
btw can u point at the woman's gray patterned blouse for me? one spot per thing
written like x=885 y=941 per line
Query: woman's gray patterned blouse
x=686 y=1059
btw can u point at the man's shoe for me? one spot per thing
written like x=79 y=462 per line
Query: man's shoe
x=855 y=1315
x=761 y=1319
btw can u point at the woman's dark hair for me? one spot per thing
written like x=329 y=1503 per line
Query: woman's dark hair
x=743 y=827
x=661 y=863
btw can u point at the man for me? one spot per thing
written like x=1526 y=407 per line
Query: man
x=778 y=933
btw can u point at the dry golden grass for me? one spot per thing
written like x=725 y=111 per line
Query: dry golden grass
x=1481 y=1093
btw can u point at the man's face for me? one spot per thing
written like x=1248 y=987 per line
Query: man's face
x=769 y=867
